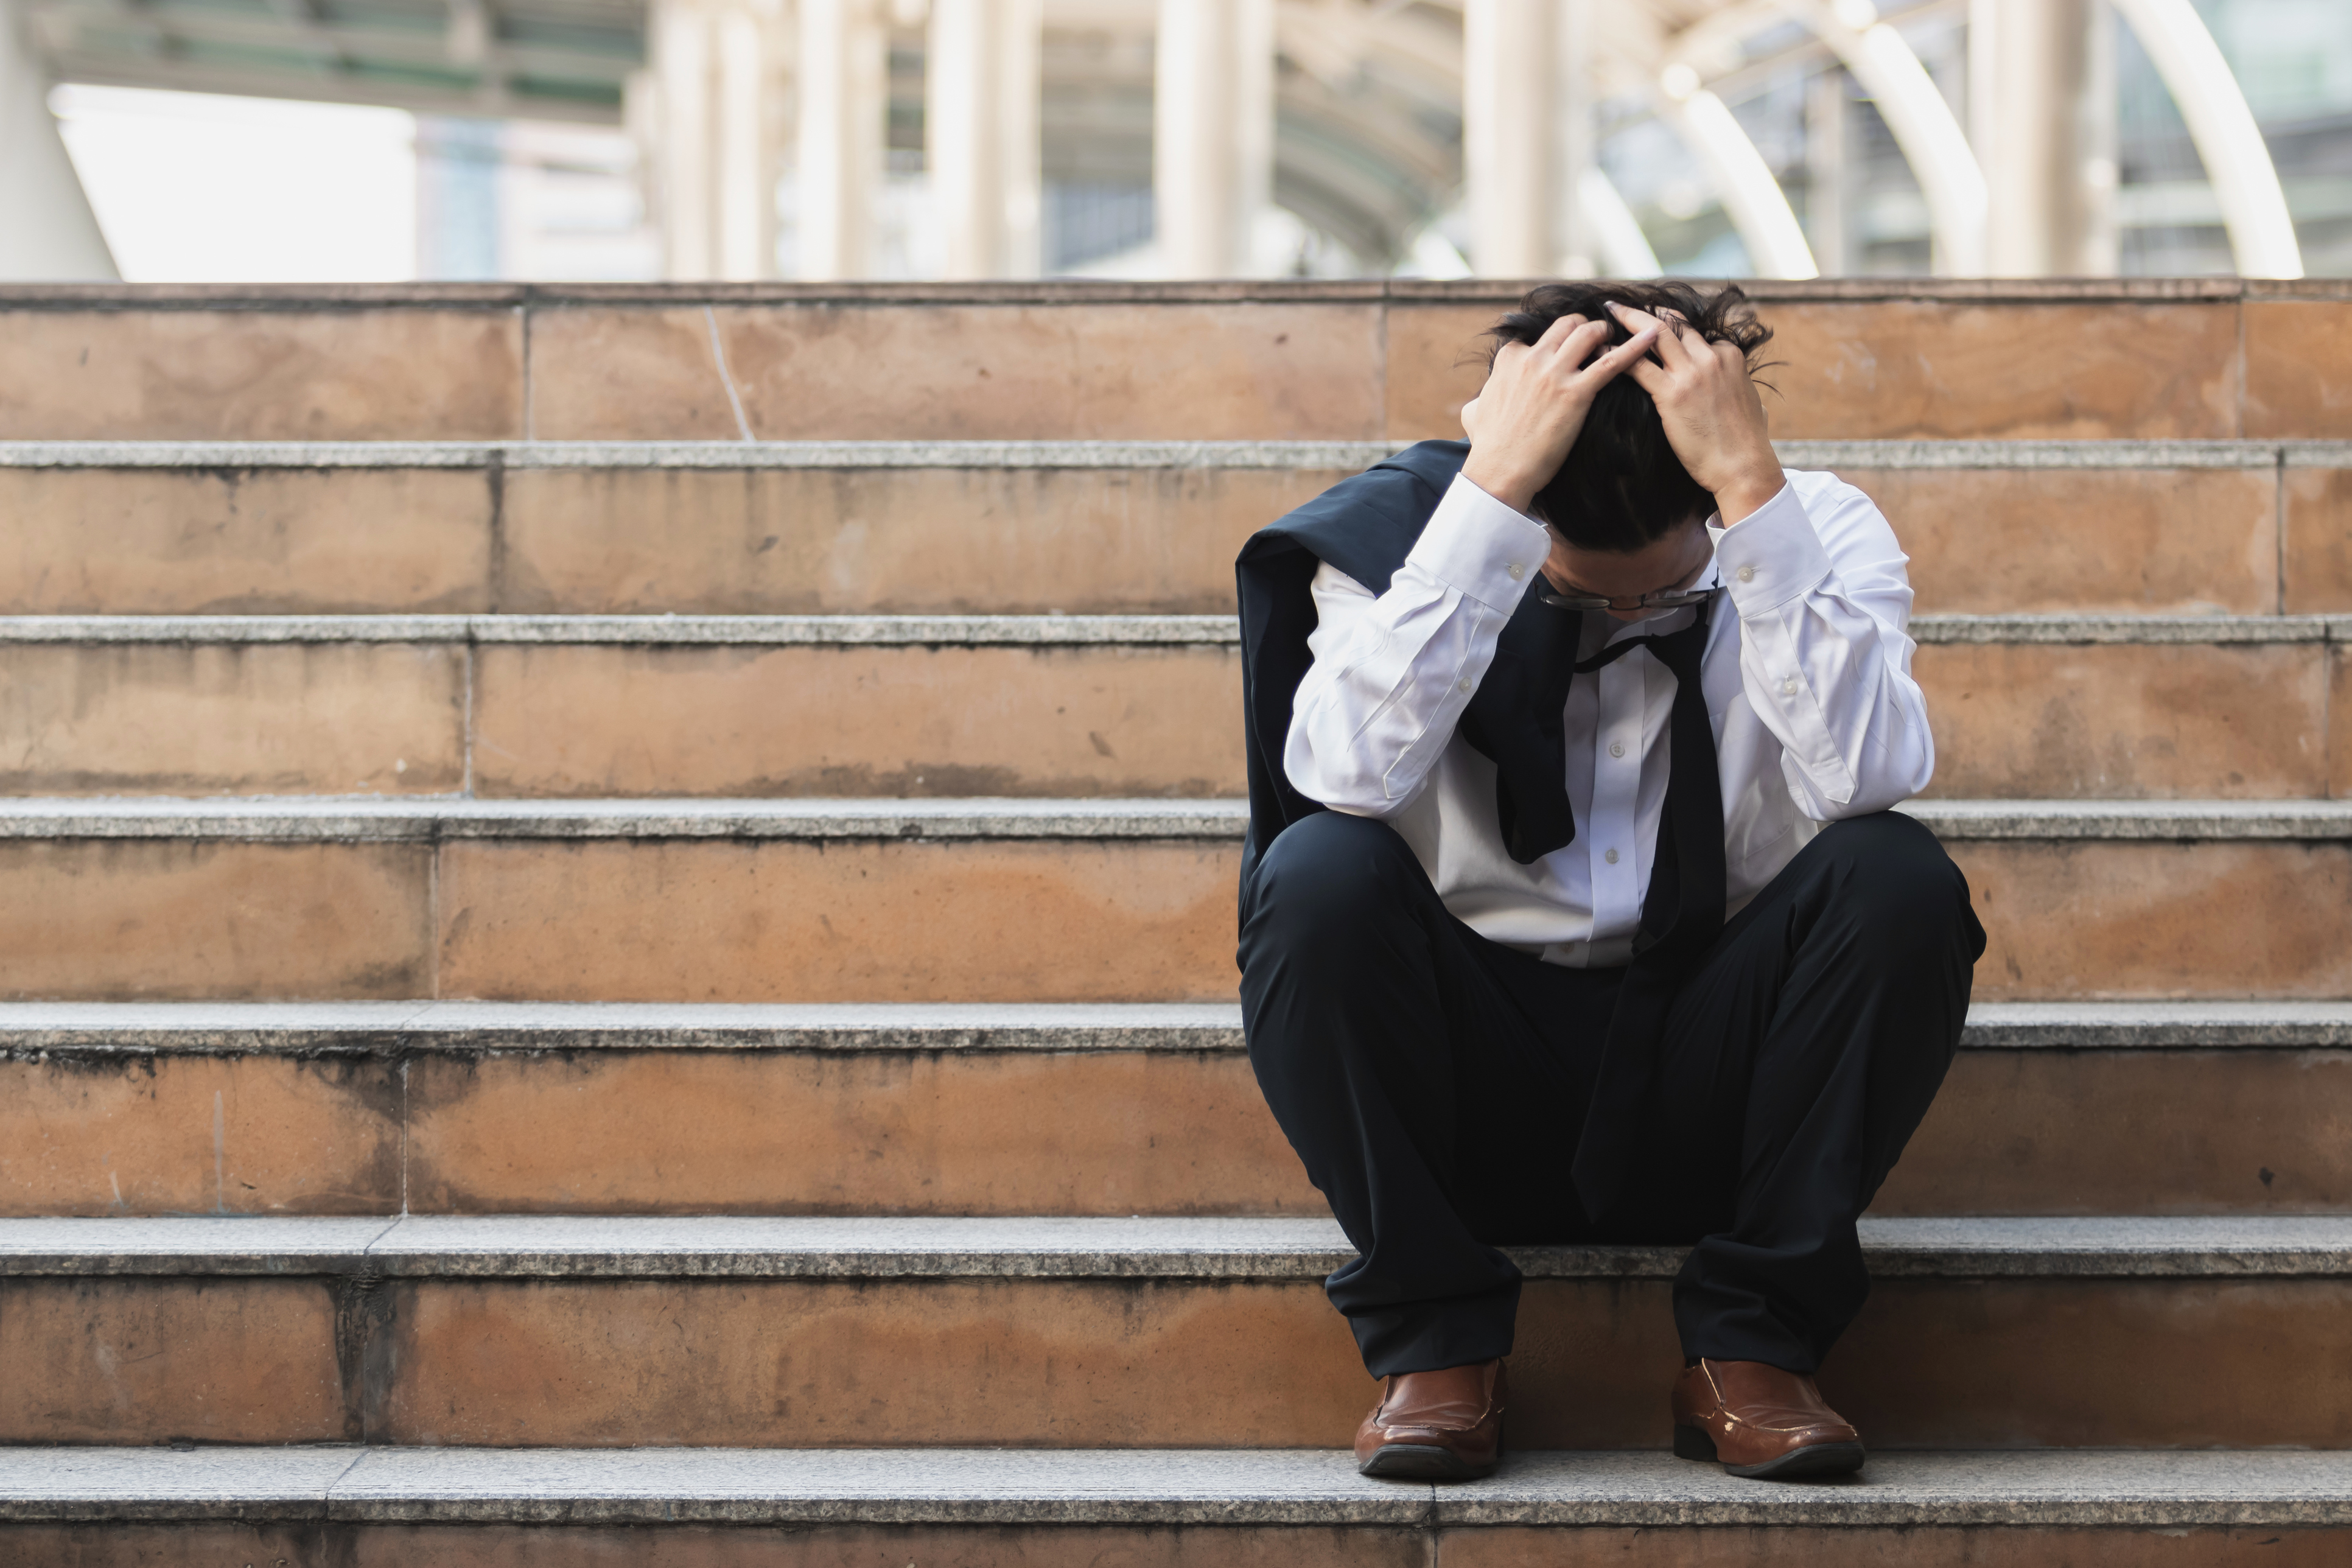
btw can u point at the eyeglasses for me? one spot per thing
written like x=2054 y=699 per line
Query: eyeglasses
x=1667 y=599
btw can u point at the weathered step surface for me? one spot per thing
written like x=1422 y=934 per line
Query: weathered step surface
x=719 y=1508
x=729 y=527
x=554 y=706
x=605 y=1331
x=1361 y=360
x=485 y=1108
x=1004 y=900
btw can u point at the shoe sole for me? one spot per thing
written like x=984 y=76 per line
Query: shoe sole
x=1811 y=1462
x=1422 y=1462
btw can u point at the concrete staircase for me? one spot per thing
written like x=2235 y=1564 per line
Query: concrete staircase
x=585 y=989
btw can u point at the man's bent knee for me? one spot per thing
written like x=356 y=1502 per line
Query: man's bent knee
x=1327 y=876
x=1893 y=873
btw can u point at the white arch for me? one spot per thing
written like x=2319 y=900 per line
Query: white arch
x=1923 y=124
x=1616 y=233
x=2237 y=162
x=1758 y=207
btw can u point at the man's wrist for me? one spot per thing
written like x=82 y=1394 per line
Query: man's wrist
x=1515 y=490
x=1750 y=492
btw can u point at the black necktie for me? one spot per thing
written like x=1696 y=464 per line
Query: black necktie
x=1681 y=916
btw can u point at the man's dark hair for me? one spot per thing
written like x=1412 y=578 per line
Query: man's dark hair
x=1622 y=485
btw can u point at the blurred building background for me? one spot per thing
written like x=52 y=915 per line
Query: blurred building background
x=972 y=139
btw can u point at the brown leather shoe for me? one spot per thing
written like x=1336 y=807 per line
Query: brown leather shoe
x=1761 y=1422
x=1436 y=1425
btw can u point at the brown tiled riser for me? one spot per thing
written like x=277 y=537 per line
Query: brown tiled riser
x=229 y=718
x=178 y=918
x=2316 y=562
x=2121 y=721
x=1082 y=541
x=430 y=373
x=1052 y=721
x=989 y=921
x=209 y=1545
x=1345 y=360
x=691 y=1132
x=1197 y=371
x=2033 y=721
x=1151 y=1364
x=206 y=1545
x=1861 y=369
x=1992 y=1547
x=201 y=541
x=911 y=540
x=2339 y=729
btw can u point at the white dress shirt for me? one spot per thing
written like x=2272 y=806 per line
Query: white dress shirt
x=1808 y=680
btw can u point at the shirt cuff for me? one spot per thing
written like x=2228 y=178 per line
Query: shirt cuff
x=1771 y=556
x=1477 y=545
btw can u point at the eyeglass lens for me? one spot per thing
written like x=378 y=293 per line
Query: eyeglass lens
x=1672 y=599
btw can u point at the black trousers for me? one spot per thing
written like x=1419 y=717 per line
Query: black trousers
x=1435 y=1084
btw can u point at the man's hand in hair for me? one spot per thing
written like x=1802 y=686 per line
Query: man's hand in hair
x=1712 y=414
x=1522 y=424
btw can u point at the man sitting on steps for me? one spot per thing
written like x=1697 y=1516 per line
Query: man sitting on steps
x=1572 y=909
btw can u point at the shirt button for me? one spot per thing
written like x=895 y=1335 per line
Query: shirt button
x=1788 y=686
x=1747 y=573
x=1616 y=748
x=1467 y=683
x=1610 y=856
x=1517 y=570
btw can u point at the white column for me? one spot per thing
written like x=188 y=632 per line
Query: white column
x=2041 y=113
x=1829 y=166
x=754 y=48
x=682 y=149
x=47 y=233
x=715 y=131
x=1527 y=135
x=1575 y=238
x=843 y=99
x=1212 y=132
x=1510 y=158
x=980 y=134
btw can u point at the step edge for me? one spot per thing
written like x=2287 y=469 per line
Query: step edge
x=33 y=1028
x=1310 y=456
x=381 y=818
x=2057 y=1488
x=1012 y=630
x=537 y=1246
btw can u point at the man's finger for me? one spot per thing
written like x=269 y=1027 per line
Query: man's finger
x=1559 y=331
x=1671 y=351
x=1584 y=344
x=1627 y=355
x=1632 y=351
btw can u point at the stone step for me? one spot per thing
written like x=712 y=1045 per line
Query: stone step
x=798 y=1332
x=727 y=527
x=992 y=900
x=554 y=705
x=1182 y=1508
x=1355 y=360
x=478 y=1108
